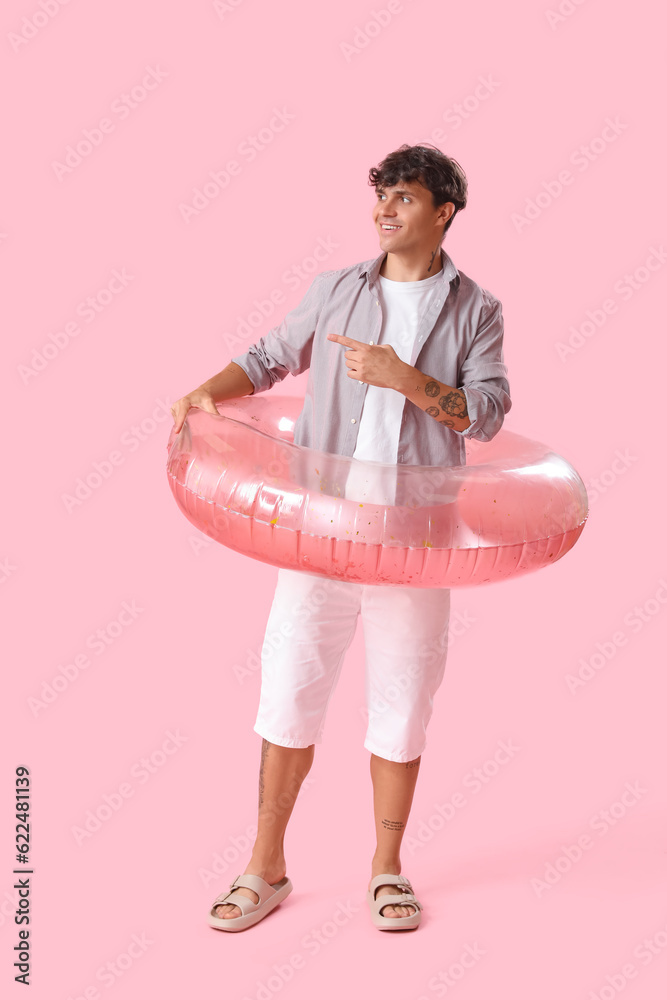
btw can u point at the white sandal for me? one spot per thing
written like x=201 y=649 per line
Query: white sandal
x=403 y=897
x=251 y=913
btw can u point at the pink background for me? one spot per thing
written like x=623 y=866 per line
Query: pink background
x=104 y=386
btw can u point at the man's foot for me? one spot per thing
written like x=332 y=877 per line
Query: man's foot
x=270 y=875
x=399 y=909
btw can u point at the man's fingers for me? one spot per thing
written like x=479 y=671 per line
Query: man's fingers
x=179 y=420
x=179 y=412
x=338 y=337
x=182 y=407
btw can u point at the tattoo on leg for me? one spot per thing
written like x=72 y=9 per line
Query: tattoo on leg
x=265 y=750
x=392 y=824
x=432 y=388
x=454 y=403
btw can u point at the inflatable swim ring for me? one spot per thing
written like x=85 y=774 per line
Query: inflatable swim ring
x=238 y=477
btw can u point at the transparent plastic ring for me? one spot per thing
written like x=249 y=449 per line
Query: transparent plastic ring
x=514 y=508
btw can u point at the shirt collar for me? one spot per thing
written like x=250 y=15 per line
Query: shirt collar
x=448 y=273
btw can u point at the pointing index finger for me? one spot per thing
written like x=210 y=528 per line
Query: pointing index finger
x=340 y=339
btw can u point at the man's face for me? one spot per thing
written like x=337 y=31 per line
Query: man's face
x=408 y=206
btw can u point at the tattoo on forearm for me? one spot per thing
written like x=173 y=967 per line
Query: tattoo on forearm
x=454 y=403
x=265 y=750
x=392 y=824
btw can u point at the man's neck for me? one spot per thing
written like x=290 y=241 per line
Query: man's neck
x=398 y=268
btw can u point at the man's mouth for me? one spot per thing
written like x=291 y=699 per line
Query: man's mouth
x=387 y=228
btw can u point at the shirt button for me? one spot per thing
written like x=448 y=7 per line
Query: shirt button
x=353 y=420
x=370 y=341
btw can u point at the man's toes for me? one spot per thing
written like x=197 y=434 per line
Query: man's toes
x=398 y=910
x=229 y=910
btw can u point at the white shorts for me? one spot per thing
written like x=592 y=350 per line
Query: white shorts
x=310 y=627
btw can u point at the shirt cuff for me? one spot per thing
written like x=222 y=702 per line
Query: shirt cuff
x=476 y=403
x=255 y=371
x=486 y=411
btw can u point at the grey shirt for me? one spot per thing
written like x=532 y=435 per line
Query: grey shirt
x=458 y=342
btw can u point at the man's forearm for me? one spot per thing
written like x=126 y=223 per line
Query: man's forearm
x=443 y=402
x=230 y=383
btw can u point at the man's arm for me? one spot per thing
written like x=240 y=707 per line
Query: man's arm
x=378 y=364
x=230 y=383
x=477 y=408
x=443 y=402
x=483 y=375
x=286 y=348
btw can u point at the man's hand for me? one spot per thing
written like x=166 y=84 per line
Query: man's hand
x=375 y=364
x=200 y=398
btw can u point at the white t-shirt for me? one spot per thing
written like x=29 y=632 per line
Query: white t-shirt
x=403 y=304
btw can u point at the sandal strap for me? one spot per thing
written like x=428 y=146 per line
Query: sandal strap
x=246 y=905
x=405 y=899
x=257 y=884
x=389 y=880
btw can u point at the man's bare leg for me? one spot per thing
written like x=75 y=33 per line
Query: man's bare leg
x=281 y=772
x=393 y=790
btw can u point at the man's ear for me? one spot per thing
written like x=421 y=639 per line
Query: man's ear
x=446 y=212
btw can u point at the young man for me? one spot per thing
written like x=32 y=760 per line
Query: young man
x=405 y=360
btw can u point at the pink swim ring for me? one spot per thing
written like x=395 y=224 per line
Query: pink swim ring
x=515 y=507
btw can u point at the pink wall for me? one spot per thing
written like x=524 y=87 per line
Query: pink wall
x=118 y=299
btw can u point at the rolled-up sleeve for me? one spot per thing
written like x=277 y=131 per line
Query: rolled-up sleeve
x=286 y=349
x=483 y=376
